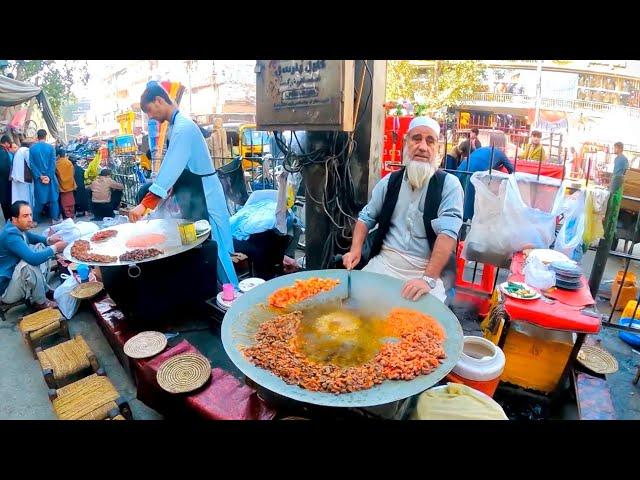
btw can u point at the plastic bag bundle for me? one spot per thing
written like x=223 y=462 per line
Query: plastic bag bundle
x=536 y=274
x=62 y=295
x=70 y=231
x=503 y=223
x=570 y=236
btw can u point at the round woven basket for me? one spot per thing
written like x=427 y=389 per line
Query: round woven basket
x=597 y=360
x=184 y=373
x=145 y=344
x=87 y=290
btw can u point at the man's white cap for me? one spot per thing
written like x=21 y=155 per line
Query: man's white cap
x=425 y=122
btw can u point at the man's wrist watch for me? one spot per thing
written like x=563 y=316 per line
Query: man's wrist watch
x=430 y=281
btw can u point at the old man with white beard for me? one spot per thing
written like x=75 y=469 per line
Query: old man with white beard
x=418 y=210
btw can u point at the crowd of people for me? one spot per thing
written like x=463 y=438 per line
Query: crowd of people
x=52 y=182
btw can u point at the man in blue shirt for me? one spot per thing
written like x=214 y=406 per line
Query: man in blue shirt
x=21 y=272
x=42 y=159
x=188 y=175
x=621 y=163
x=478 y=161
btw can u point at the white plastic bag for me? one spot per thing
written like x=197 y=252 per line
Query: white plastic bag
x=485 y=242
x=503 y=223
x=62 y=295
x=524 y=226
x=70 y=231
x=537 y=275
x=572 y=230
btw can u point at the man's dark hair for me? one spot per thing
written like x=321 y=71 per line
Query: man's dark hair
x=463 y=148
x=475 y=130
x=42 y=134
x=16 y=206
x=536 y=133
x=5 y=139
x=619 y=144
x=61 y=152
x=153 y=90
x=105 y=172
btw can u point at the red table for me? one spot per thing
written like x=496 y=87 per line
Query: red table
x=552 y=170
x=541 y=338
x=563 y=314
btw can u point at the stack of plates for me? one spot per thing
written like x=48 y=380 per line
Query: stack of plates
x=568 y=275
x=224 y=304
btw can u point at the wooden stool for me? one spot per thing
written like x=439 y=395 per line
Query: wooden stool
x=66 y=359
x=91 y=398
x=42 y=324
x=5 y=307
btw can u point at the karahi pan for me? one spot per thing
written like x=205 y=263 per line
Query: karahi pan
x=368 y=290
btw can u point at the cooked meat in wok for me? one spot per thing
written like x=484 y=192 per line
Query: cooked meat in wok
x=103 y=235
x=418 y=350
x=80 y=251
x=140 y=254
x=301 y=290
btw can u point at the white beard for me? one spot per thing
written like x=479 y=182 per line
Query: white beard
x=418 y=172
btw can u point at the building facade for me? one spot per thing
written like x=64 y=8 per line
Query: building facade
x=586 y=102
x=212 y=88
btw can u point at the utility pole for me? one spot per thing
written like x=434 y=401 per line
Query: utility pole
x=538 y=93
x=366 y=164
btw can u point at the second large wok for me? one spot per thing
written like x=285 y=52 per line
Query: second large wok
x=367 y=290
x=116 y=246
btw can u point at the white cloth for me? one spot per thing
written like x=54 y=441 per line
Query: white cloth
x=404 y=267
x=21 y=190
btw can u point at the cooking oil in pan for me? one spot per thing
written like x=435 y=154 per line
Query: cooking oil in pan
x=340 y=336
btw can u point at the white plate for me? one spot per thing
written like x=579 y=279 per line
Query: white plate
x=204 y=232
x=503 y=289
x=249 y=283
x=202 y=225
x=224 y=303
x=546 y=255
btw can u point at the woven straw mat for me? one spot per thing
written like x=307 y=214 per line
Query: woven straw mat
x=66 y=358
x=597 y=359
x=184 y=373
x=145 y=344
x=87 y=290
x=90 y=398
x=40 y=319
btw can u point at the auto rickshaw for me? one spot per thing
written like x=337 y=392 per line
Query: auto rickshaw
x=247 y=142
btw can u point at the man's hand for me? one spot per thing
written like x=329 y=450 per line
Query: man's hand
x=350 y=260
x=44 y=179
x=137 y=213
x=53 y=239
x=415 y=288
x=60 y=246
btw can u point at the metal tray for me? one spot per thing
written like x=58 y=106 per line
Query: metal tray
x=115 y=246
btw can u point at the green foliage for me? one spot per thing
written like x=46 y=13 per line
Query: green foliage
x=438 y=84
x=55 y=78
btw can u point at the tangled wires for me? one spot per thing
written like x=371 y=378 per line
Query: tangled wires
x=338 y=192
